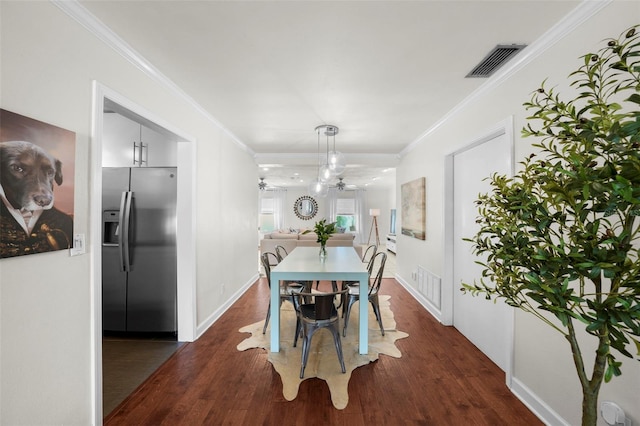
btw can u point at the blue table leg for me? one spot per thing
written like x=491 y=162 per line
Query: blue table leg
x=364 y=315
x=275 y=312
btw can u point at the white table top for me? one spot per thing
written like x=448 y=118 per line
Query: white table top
x=339 y=261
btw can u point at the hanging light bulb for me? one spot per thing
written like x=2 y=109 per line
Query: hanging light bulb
x=336 y=163
x=325 y=173
x=318 y=188
x=335 y=159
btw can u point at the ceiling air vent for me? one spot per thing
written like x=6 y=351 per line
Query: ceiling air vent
x=495 y=59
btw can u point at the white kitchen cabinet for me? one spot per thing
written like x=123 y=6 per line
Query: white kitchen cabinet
x=121 y=133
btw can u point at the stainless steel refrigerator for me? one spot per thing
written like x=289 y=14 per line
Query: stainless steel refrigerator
x=139 y=256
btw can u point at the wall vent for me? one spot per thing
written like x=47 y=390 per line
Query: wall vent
x=429 y=284
x=495 y=59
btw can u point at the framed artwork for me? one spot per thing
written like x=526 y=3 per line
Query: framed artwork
x=37 y=169
x=414 y=207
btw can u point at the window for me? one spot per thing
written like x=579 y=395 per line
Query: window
x=266 y=220
x=346 y=214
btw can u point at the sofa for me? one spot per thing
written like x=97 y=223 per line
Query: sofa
x=292 y=239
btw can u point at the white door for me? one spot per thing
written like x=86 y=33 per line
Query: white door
x=485 y=324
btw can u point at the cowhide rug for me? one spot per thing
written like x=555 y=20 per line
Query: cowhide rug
x=323 y=360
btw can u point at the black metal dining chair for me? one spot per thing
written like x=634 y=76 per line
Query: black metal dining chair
x=316 y=311
x=288 y=289
x=369 y=271
x=281 y=253
x=376 y=264
x=369 y=253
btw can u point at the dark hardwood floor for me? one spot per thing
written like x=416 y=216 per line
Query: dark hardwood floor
x=441 y=379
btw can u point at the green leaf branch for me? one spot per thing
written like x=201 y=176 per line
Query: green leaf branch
x=323 y=230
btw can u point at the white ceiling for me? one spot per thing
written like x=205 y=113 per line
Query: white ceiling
x=384 y=72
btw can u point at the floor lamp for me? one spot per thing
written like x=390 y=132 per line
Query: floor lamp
x=374 y=213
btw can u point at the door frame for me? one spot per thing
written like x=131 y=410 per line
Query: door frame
x=504 y=127
x=186 y=247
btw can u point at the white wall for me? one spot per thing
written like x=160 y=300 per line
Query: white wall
x=542 y=357
x=47 y=65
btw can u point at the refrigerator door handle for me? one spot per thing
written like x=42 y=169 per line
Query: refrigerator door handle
x=123 y=203
x=126 y=232
x=125 y=217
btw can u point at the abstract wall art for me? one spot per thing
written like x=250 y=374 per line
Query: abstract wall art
x=413 y=199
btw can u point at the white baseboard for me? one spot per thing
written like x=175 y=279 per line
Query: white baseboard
x=204 y=326
x=537 y=406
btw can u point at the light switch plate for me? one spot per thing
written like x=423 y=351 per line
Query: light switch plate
x=78 y=245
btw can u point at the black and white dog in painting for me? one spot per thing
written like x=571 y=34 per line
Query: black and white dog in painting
x=29 y=222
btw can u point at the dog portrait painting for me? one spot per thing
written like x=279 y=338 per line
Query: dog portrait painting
x=37 y=167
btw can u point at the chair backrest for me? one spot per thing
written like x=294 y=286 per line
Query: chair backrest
x=369 y=253
x=377 y=265
x=370 y=264
x=324 y=303
x=281 y=253
x=268 y=260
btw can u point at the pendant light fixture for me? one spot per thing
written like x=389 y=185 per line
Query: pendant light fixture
x=340 y=185
x=335 y=163
x=319 y=187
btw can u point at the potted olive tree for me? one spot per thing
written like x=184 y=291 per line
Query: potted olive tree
x=562 y=238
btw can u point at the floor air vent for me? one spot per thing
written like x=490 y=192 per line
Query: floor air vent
x=495 y=59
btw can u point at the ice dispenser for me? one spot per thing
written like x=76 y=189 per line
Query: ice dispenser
x=110 y=227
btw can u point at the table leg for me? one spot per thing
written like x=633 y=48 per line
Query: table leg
x=364 y=315
x=275 y=312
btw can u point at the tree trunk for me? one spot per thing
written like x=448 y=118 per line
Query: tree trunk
x=590 y=387
x=590 y=407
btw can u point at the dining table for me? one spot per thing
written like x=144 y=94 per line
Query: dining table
x=306 y=264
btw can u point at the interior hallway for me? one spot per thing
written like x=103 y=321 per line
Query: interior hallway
x=441 y=379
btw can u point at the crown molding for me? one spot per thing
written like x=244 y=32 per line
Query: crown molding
x=565 y=26
x=85 y=18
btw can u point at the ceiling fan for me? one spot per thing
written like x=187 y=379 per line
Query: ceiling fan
x=262 y=185
x=341 y=186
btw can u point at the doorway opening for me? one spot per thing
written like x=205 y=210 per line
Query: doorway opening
x=156 y=347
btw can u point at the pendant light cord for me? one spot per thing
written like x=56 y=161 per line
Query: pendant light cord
x=325 y=132
x=318 y=154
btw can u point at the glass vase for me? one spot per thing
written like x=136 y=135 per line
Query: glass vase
x=323 y=252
